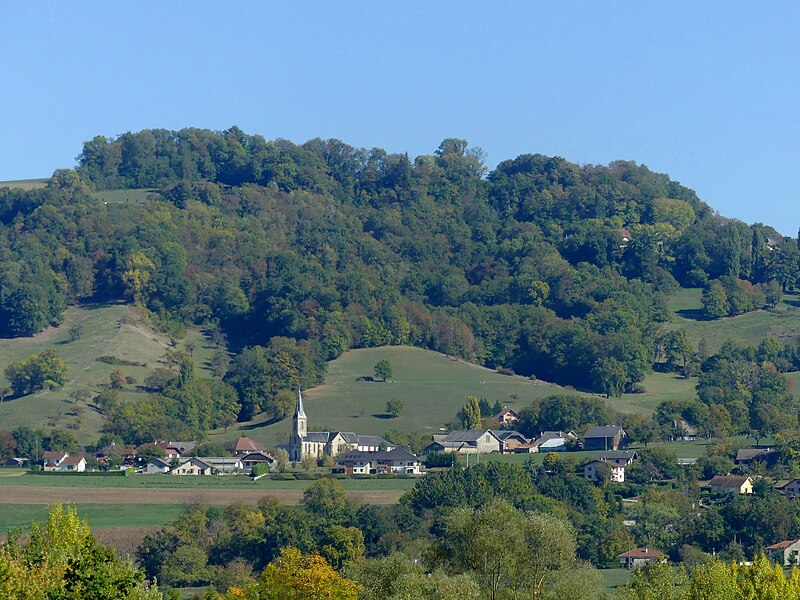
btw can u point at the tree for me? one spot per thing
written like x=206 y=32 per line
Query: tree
x=470 y=414
x=295 y=576
x=715 y=301
x=395 y=407
x=117 y=379
x=383 y=369
x=38 y=371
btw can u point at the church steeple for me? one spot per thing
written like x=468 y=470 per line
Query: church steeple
x=299 y=413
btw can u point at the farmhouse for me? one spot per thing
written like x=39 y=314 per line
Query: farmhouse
x=398 y=460
x=785 y=553
x=639 y=557
x=731 y=484
x=316 y=444
x=609 y=437
x=477 y=441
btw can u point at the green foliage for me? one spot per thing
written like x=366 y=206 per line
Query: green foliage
x=39 y=371
x=395 y=407
x=383 y=369
x=470 y=414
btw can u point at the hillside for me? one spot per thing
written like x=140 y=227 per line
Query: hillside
x=113 y=330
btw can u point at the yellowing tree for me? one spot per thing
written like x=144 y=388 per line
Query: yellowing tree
x=295 y=576
x=138 y=270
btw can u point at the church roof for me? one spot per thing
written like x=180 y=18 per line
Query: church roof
x=300 y=413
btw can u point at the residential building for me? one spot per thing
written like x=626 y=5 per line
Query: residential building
x=157 y=466
x=398 y=460
x=475 y=441
x=619 y=457
x=791 y=487
x=731 y=484
x=785 y=553
x=251 y=459
x=192 y=466
x=639 y=557
x=609 y=437
x=242 y=445
x=316 y=444
x=510 y=440
x=52 y=459
x=747 y=456
x=548 y=441
x=224 y=465
x=617 y=471
x=506 y=417
x=72 y=463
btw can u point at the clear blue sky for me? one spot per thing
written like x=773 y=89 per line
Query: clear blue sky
x=708 y=92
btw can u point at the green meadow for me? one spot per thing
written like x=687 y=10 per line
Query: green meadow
x=99 y=516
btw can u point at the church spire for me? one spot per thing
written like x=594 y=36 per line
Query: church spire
x=299 y=413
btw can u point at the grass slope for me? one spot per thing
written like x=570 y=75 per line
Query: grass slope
x=25 y=184
x=782 y=322
x=108 y=330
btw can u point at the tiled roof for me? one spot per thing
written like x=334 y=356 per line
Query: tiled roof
x=641 y=553
x=602 y=432
x=728 y=480
x=781 y=545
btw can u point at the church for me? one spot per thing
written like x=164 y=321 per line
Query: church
x=316 y=444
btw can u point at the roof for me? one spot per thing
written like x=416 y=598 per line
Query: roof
x=729 y=480
x=551 y=435
x=471 y=435
x=398 y=453
x=751 y=453
x=161 y=464
x=782 y=545
x=257 y=456
x=53 y=455
x=603 y=432
x=642 y=553
x=194 y=460
x=72 y=460
x=317 y=436
x=299 y=412
x=504 y=412
x=243 y=444
x=616 y=455
x=504 y=434
x=371 y=440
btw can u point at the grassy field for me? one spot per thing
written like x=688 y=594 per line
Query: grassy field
x=113 y=330
x=615 y=578
x=99 y=516
x=25 y=184
x=782 y=322
x=432 y=386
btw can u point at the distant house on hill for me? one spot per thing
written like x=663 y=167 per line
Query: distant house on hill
x=785 y=553
x=791 y=487
x=506 y=417
x=639 y=557
x=747 y=456
x=731 y=484
x=609 y=437
x=473 y=441
x=621 y=458
x=590 y=471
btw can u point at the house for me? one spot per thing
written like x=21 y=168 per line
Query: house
x=126 y=453
x=251 y=459
x=224 y=465
x=785 y=553
x=397 y=460
x=192 y=466
x=506 y=417
x=52 y=459
x=72 y=463
x=242 y=445
x=171 y=451
x=626 y=236
x=790 y=487
x=747 y=456
x=731 y=484
x=609 y=437
x=640 y=556
x=621 y=458
x=617 y=471
x=316 y=444
x=510 y=440
x=548 y=441
x=476 y=441
x=157 y=465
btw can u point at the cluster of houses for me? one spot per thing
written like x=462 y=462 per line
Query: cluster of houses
x=247 y=454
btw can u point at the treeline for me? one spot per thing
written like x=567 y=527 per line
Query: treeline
x=542 y=266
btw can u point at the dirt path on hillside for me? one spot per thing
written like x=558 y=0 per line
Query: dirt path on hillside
x=52 y=495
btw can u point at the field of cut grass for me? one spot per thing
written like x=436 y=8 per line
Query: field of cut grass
x=782 y=322
x=113 y=330
x=25 y=184
x=615 y=578
x=99 y=516
x=432 y=386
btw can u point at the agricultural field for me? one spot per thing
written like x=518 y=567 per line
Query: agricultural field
x=25 y=184
x=782 y=322
x=132 y=196
x=99 y=516
x=113 y=331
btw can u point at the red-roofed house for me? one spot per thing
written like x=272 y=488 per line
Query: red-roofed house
x=640 y=556
x=73 y=463
x=51 y=460
x=243 y=444
x=785 y=553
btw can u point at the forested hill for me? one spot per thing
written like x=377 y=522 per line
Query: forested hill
x=542 y=266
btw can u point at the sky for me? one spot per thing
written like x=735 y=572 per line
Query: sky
x=707 y=92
